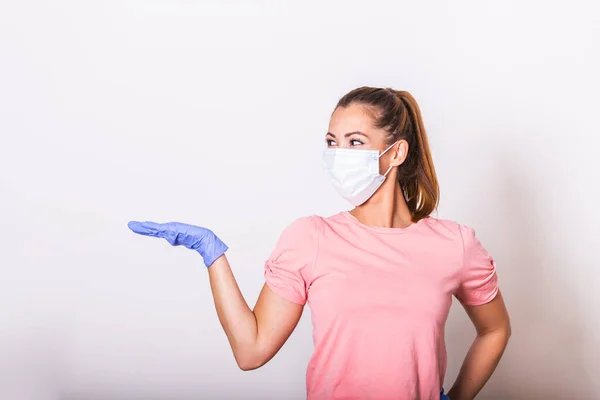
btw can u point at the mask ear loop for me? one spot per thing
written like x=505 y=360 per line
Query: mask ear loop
x=388 y=170
x=385 y=151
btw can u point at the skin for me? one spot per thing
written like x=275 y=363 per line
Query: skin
x=257 y=335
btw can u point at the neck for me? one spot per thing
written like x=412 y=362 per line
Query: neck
x=386 y=208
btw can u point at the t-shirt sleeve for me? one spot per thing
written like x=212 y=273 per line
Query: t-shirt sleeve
x=288 y=271
x=479 y=281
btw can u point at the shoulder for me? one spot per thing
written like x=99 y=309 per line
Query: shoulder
x=307 y=224
x=450 y=229
x=303 y=230
x=462 y=239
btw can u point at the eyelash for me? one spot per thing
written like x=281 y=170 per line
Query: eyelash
x=330 y=142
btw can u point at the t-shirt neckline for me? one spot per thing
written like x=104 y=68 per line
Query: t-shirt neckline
x=381 y=229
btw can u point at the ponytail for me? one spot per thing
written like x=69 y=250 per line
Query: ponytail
x=420 y=186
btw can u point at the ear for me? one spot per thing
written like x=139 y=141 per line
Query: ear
x=399 y=153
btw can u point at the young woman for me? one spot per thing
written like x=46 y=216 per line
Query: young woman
x=379 y=279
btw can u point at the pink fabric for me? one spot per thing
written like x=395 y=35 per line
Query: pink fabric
x=379 y=299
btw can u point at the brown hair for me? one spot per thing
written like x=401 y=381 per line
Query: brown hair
x=398 y=113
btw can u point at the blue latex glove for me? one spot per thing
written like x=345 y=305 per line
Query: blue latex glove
x=444 y=396
x=203 y=240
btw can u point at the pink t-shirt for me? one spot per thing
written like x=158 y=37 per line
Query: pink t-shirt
x=379 y=299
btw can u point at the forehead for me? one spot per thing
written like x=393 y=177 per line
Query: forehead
x=352 y=118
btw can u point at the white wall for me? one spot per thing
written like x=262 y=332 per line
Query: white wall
x=213 y=113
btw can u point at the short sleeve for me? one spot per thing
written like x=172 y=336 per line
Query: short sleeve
x=479 y=281
x=288 y=271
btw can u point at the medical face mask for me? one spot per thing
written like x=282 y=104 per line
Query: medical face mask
x=354 y=173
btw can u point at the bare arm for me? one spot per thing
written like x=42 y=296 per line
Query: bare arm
x=493 y=331
x=255 y=335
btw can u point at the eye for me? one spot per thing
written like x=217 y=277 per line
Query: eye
x=330 y=142
x=355 y=142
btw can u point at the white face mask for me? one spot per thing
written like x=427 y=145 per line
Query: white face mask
x=354 y=173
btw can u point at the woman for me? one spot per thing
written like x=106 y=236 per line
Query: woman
x=379 y=279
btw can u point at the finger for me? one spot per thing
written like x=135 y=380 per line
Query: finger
x=146 y=228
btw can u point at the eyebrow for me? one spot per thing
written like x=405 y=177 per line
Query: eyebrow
x=348 y=134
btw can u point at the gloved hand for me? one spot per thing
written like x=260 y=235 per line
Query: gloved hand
x=203 y=240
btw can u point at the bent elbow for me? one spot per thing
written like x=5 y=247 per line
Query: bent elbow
x=249 y=363
x=504 y=334
x=248 y=366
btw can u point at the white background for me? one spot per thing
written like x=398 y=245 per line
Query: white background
x=214 y=113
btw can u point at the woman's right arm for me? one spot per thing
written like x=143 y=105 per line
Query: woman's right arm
x=255 y=335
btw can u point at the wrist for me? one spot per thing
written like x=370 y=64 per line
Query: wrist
x=215 y=259
x=211 y=249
